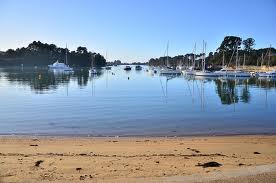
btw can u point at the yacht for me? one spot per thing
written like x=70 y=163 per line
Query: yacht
x=61 y=66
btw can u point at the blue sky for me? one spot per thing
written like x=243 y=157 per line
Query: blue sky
x=136 y=30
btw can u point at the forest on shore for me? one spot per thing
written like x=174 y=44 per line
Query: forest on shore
x=43 y=54
x=247 y=55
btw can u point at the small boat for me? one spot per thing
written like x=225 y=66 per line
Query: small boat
x=127 y=68
x=108 y=68
x=60 y=66
x=138 y=68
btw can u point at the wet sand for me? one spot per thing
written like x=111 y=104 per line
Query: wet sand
x=78 y=159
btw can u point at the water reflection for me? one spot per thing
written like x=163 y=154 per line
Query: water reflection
x=42 y=79
x=230 y=91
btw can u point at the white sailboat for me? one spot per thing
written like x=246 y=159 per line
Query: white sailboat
x=203 y=71
x=61 y=67
x=169 y=70
x=233 y=73
x=270 y=74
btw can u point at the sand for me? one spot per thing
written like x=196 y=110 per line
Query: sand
x=78 y=159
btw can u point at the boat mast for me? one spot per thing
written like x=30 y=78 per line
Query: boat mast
x=203 y=56
x=202 y=67
x=237 y=56
x=194 y=60
x=262 y=60
x=168 y=54
x=66 y=55
x=223 y=59
x=269 y=55
x=243 y=60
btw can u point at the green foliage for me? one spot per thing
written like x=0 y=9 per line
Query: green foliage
x=230 y=43
x=226 y=48
x=43 y=54
x=248 y=44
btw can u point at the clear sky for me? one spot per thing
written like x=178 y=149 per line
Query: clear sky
x=135 y=30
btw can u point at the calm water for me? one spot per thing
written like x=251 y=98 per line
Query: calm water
x=36 y=101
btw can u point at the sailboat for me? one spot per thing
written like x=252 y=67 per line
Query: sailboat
x=269 y=74
x=169 y=70
x=233 y=73
x=58 y=66
x=203 y=71
x=93 y=70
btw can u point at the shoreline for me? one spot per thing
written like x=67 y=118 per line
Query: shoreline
x=134 y=159
x=133 y=136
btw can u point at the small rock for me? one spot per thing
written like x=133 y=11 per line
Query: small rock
x=37 y=163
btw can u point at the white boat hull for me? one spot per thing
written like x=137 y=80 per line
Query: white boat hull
x=207 y=74
x=170 y=72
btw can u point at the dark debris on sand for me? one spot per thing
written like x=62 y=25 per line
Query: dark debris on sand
x=37 y=163
x=210 y=164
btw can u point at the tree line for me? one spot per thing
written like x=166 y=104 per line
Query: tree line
x=43 y=54
x=247 y=55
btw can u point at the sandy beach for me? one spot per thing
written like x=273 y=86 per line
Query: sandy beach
x=129 y=159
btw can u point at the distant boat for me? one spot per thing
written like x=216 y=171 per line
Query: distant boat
x=127 y=68
x=108 y=68
x=61 y=66
x=169 y=70
x=138 y=68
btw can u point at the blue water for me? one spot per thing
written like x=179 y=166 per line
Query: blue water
x=40 y=102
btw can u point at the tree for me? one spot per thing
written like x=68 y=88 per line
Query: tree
x=230 y=43
x=248 y=44
x=82 y=50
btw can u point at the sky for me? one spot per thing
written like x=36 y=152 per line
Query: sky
x=136 y=30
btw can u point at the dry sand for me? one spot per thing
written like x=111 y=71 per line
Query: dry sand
x=243 y=159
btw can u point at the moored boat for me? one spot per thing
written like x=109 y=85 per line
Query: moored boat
x=138 y=68
x=127 y=68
